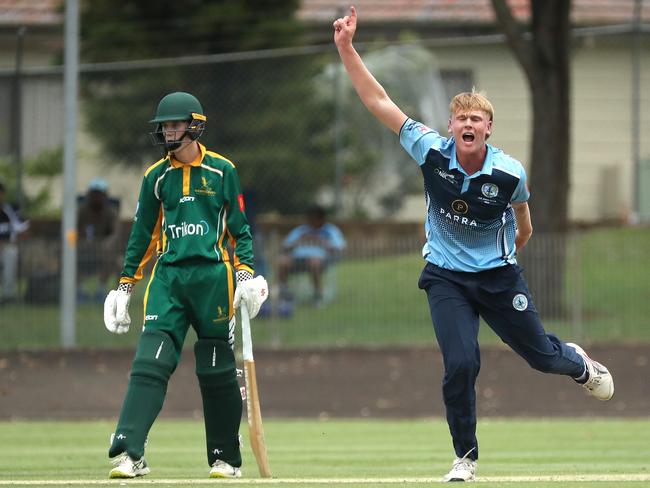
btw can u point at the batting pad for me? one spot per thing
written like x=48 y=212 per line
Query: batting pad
x=215 y=362
x=222 y=405
x=156 y=356
x=155 y=361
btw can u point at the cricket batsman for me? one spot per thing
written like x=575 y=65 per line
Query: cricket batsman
x=190 y=206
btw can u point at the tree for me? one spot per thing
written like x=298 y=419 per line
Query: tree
x=545 y=61
x=544 y=58
x=261 y=112
x=379 y=174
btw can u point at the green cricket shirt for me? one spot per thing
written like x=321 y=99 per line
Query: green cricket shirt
x=189 y=212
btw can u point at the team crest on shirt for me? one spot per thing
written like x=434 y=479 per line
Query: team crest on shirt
x=205 y=188
x=520 y=302
x=490 y=190
x=221 y=315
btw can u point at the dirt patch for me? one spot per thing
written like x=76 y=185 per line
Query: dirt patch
x=339 y=383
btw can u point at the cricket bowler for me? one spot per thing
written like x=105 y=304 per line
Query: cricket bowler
x=477 y=219
x=190 y=207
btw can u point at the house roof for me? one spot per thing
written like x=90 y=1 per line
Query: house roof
x=477 y=12
x=43 y=13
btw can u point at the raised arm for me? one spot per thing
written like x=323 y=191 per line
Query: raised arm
x=372 y=94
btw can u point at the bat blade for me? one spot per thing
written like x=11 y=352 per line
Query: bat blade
x=254 y=413
x=256 y=429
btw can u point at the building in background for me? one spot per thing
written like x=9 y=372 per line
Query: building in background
x=470 y=52
x=602 y=161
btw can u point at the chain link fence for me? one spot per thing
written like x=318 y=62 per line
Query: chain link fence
x=290 y=122
x=370 y=296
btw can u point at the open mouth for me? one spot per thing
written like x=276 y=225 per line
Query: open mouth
x=468 y=137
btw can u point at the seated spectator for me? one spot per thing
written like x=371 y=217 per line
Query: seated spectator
x=309 y=248
x=97 y=223
x=11 y=226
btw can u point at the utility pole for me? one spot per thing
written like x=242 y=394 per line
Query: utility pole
x=69 y=218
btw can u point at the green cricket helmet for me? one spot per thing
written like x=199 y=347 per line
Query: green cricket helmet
x=178 y=106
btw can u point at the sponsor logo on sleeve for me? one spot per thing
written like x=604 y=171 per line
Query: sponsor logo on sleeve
x=421 y=128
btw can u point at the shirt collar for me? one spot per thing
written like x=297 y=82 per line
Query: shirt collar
x=487 y=164
x=197 y=162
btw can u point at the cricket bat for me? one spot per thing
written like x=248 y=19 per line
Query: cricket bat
x=256 y=431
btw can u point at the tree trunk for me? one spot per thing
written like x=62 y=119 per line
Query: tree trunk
x=545 y=60
x=550 y=89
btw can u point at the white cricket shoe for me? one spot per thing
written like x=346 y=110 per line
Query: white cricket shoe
x=600 y=382
x=221 y=469
x=125 y=467
x=463 y=469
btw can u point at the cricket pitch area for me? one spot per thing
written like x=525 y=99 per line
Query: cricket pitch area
x=355 y=418
x=351 y=453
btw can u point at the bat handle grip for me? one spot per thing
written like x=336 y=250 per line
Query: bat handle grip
x=247 y=340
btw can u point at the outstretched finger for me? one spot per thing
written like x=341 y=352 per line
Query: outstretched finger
x=353 y=14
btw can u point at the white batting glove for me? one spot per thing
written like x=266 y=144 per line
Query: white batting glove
x=251 y=291
x=116 y=309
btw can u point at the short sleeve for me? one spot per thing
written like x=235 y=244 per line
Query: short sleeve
x=418 y=139
x=335 y=237
x=294 y=236
x=521 y=193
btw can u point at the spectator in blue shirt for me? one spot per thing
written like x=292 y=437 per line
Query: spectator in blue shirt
x=477 y=219
x=310 y=248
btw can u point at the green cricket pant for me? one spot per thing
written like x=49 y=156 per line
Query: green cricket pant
x=199 y=294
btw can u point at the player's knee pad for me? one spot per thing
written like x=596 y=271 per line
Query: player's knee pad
x=156 y=356
x=215 y=363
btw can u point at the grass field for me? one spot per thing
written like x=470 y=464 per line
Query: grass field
x=378 y=303
x=532 y=453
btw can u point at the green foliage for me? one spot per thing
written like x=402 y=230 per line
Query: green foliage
x=43 y=168
x=47 y=163
x=376 y=166
x=261 y=112
x=169 y=28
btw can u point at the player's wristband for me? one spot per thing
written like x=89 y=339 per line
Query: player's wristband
x=125 y=287
x=244 y=275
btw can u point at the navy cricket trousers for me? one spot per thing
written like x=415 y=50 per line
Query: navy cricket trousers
x=501 y=297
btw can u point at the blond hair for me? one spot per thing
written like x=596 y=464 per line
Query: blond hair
x=468 y=101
